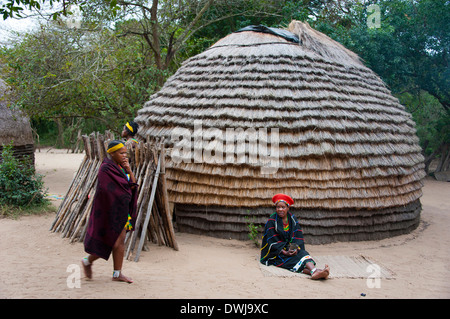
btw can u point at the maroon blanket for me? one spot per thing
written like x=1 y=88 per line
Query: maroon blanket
x=114 y=200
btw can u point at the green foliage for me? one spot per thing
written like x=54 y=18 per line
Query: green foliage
x=253 y=231
x=409 y=51
x=19 y=184
x=92 y=82
x=66 y=74
x=432 y=120
x=9 y=9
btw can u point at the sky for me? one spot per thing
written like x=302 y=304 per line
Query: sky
x=15 y=25
x=23 y=25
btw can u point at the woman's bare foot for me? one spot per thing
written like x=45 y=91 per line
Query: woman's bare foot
x=321 y=273
x=123 y=278
x=87 y=270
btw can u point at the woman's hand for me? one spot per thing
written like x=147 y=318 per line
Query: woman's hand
x=293 y=252
x=289 y=252
x=126 y=165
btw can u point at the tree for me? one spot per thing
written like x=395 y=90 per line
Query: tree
x=15 y=8
x=106 y=69
x=9 y=9
x=61 y=74
x=409 y=50
x=168 y=26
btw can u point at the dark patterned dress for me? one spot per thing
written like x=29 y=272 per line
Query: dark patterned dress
x=278 y=237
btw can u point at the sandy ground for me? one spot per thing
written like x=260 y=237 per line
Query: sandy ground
x=36 y=263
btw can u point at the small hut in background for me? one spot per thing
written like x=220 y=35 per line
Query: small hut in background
x=15 y=127
x=338 y=142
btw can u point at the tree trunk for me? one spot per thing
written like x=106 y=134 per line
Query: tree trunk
x=444 y=162
x=60 y=137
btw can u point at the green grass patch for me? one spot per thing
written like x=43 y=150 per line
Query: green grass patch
x=14 y=212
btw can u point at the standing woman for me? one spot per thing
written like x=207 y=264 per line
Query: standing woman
x=113 y=212
x=129 y=131
x=283 y=245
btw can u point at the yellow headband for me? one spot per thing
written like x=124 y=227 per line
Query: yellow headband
x=129 y=127
x=115 y=148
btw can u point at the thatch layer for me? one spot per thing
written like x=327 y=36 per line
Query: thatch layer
x=337 y=138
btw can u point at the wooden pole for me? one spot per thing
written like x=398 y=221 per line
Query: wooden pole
x=165 y=197
x=149 y=210
x=142 y=200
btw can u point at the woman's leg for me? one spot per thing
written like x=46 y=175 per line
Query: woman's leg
x=86 y=262
x=118 y=254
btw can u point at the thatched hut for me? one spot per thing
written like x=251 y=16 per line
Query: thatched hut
x=15 y=127
x=265 y=111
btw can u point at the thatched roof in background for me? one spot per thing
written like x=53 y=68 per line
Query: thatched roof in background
x=13 y=124
x=344 y=140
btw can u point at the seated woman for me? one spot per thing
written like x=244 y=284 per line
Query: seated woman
x=283 y=245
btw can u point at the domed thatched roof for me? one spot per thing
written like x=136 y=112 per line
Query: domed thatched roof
x=14 y=126
x=345 y=148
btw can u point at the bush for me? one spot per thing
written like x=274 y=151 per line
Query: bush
x=19 y=184
x=253 y=231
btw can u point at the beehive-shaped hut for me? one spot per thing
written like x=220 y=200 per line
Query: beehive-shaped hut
x=266 y=111
x=15 y=127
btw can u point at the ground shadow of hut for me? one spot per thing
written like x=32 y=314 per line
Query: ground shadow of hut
x=342 y=146
x=15 y=127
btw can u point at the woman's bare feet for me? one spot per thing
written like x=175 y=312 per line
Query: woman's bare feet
x=123 y=278
x=321 y=273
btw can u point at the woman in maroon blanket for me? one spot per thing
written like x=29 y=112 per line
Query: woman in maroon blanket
x=113 y=212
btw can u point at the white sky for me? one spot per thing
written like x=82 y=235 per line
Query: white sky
x=10 y=25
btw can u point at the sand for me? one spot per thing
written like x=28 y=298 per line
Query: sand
x=36 y=263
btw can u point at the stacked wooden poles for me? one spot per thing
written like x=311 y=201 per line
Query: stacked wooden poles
x=154 y=220
x=71 y=218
